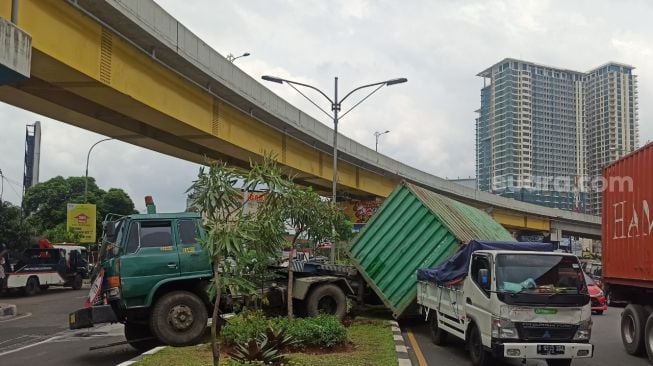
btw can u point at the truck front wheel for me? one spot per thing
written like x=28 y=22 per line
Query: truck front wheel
x=633 y=320
x=140 y=336
x=327 y=299
x=179 y=318
x=478 y=354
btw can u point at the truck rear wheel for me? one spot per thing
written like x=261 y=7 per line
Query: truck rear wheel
x=648 y=338
x=77 y=282
x=140 y=336
x=438 y=335
x=327 y=299
x=633 y=321
x=31 y=286
x=179 y=318
x=478 y=354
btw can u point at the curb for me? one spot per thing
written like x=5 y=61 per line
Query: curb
x=403 y=359
x=141 y=356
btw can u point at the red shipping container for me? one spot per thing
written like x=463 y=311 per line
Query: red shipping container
x=628 y=220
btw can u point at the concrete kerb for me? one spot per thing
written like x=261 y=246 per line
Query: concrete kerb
x=141 y=356
x=403 y=359
x=7 y=311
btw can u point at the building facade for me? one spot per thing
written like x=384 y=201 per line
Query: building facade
x=543 y=132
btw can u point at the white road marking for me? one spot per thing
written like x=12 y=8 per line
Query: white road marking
x=29 y=346
x=16 y=317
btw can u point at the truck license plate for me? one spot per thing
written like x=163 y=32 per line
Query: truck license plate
x=550 y=349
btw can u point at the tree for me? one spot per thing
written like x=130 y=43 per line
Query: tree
x=312 y=217
x=14 y=231
x=231 y=230
x=46 y=203
x=116 y=201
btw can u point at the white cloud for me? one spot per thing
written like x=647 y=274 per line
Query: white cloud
x=438 y=45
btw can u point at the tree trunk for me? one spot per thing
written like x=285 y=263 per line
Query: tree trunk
x=215 y=330
x=291 y=257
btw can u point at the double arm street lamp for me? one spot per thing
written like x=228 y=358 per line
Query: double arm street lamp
x=335 y=108
x=377 y=134
x=86 y=175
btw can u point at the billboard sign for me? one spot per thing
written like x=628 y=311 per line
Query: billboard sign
x=81 y=219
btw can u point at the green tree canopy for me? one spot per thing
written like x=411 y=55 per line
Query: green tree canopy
x=45 y=203
x=14 y=232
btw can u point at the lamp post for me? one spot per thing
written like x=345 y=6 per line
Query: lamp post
x=377 y=134
x=86 y=175
x=231 y=58
x=335 y=108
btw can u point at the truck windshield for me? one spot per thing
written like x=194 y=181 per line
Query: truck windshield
x=539 y=274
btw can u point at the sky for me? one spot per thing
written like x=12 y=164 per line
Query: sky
x=439 y=46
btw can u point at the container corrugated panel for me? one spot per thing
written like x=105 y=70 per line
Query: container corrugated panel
x=628 y=219
x=415 y=228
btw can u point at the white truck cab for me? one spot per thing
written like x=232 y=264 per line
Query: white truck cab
x=513 y=304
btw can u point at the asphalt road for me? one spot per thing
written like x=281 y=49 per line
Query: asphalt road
x=39 y=334
x=608 y=349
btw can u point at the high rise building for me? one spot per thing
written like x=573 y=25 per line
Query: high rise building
x=611 y=120
x=541 y=130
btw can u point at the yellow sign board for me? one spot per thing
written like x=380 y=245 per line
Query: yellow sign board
x=81 y=219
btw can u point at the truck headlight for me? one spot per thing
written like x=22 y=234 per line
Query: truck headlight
x=503 y=329
x=584 y=331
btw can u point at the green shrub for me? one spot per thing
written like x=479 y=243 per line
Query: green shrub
x=244 y=326
x=321 y=331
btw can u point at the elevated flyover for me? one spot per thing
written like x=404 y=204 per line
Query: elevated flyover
x=129 y=70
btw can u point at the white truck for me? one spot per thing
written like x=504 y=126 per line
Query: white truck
x=509 y=304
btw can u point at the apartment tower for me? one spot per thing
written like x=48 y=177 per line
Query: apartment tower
x=543 y=133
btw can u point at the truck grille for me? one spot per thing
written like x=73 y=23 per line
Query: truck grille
x=546 y=332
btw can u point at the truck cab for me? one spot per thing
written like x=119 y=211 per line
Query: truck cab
x=152 y=276
x=513 y=304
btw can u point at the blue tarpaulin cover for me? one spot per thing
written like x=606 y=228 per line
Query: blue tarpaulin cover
x=455 y=268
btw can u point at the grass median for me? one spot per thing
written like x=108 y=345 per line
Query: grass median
x=370 y=342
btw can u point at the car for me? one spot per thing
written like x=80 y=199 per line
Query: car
x=597 y=296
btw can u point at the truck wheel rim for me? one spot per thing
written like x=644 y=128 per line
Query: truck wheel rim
x=180 y=317
x=628 y=329
x=650 y=340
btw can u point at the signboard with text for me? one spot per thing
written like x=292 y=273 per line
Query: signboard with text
x=81 y=219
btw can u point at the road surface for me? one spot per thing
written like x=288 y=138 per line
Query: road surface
x=39 y=334
x=606 y=338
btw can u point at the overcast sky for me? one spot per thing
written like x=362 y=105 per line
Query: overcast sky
x=439 y=46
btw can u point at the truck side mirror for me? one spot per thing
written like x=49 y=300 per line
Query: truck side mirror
x=484 y=278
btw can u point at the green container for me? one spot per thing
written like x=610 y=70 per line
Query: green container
x=415 y=228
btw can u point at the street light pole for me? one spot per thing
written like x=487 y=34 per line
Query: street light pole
x=231 y=58
x=335 y=108
x=86 y=175
x=377 y=134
